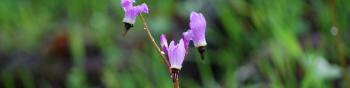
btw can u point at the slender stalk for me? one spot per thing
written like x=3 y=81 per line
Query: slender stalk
x=154 y=42
x=176 y=83
x=175 y=77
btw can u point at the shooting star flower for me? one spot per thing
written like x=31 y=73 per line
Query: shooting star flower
x=198 y=26
x=131 y=12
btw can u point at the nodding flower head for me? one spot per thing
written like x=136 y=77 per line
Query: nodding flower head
x=131 y=12
x=176 y=54
x=164 y=44
x=197 y=25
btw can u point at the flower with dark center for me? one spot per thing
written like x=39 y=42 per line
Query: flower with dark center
x=131 y=12
x=196 y=33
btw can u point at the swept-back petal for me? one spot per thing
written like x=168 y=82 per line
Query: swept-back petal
x=198 y=27
x=164 y=43
x=187 y=37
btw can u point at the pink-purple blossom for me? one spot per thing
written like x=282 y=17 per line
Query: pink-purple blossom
x=131 y=12
x=176 y=54
x=198 y=26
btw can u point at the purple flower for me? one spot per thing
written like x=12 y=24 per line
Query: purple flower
x=176 y=54
x=164 y=44
x=131 y=12
x=197 y=25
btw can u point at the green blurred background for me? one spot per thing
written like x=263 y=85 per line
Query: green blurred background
x=251 y=44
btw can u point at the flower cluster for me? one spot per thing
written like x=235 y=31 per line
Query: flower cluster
x=131 y=12
x=177 y=52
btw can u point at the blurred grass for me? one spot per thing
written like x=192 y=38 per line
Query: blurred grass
x=266 y=41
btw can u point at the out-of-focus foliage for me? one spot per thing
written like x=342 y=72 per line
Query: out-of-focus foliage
x=251 y=43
